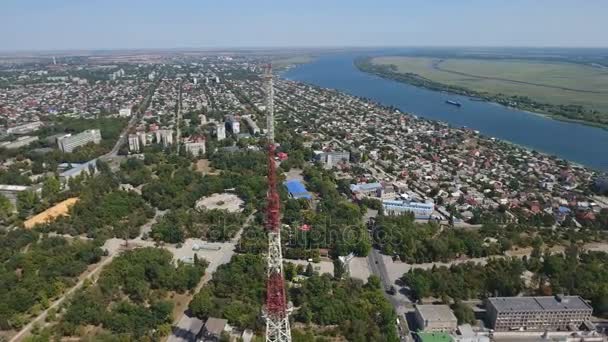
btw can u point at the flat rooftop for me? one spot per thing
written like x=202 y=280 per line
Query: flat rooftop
x=436 y=313
x=296 y=189
x=545 y=303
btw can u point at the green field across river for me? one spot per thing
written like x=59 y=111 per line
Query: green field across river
x=548 y=82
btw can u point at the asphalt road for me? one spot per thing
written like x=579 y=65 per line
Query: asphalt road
x=378 y=268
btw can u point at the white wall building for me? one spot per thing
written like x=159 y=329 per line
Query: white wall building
x=398 y=207
x=125 y=112
x=195 y=147
x=221 y=132
x=134 y=143
x=24 y=128
x=69 y=142
x=436 y=318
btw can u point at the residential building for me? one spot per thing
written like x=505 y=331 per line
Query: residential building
x=436 y=318
x=134 y=143
x=24 y=128
x=365 y=189
x=166 y=137
x=69 y=142
x=537 y=313
x=399 y=207
x=196 y=146
x=253 y=127
x=125 y=112
x=221 y=132
x=234 y=124
x=331 y=159
x=387 y=192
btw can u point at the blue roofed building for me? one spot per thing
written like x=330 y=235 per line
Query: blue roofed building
x=297 y=190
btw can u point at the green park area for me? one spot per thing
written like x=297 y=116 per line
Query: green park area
x=567 y=90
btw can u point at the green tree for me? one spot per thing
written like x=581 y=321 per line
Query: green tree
x=309 y=270
x=6 y=209
x=50 y=187
x=339 y=269
x=463 y=313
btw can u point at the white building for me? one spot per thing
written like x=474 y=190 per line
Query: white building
x=166 y=137
x=221 y=132
x=11 y=192
x=253 y=127
x=366 y=189
x=436 y=318
x=134 y=143
x=69 y=142
x=125 y=112
x=25 y=128
x=398 y=207
x=235 y=126
x=195 y=147
x=19 y=142
x=331 y=159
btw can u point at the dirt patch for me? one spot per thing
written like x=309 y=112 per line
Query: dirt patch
x=203 y=166
x=230 y=202
x=59 y=209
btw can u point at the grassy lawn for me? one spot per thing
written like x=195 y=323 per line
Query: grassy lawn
x=588 y=86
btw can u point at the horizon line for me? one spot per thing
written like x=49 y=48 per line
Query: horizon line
x=294 y=47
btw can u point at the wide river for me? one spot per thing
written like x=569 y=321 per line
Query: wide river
x=571 y=141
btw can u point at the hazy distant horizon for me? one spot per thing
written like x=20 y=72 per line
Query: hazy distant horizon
x=293 y=49
x=68 y=25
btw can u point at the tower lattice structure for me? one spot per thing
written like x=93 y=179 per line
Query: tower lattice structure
x=276 y=311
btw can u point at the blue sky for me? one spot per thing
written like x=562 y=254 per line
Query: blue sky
x=89 y=24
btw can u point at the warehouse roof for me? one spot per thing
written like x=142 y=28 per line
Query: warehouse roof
x=296 y=189
x=436 y=313
x=547 y=303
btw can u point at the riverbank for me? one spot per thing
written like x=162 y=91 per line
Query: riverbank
x=570 y=113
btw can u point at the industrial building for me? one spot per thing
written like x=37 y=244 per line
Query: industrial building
x=297 y=190
x=399 y=207
x=436 y=318
x=68 y=143
x=537 y=313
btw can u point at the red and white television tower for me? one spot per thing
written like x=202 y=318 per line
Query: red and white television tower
x=276 y=311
